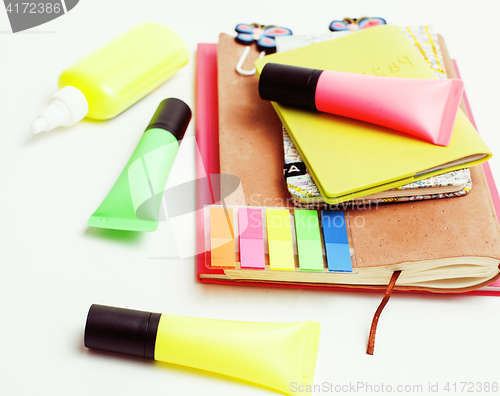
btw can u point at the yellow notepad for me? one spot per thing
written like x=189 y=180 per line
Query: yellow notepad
x=349 y=159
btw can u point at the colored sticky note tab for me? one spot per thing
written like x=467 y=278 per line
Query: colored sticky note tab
x=251 y=238
x=308 y=235
x=279 y=239
x=222 y=238
x=338 y=254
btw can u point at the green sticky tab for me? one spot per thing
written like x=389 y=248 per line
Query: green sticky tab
x=307 y=225
x=308 y=235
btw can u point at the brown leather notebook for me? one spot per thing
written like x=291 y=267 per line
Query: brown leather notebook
x=446 y=245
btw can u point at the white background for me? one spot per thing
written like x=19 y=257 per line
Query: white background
x=53 y=267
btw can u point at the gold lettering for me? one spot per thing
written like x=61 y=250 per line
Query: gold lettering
x=394 y=67
x=378 y=71
x=406 y=60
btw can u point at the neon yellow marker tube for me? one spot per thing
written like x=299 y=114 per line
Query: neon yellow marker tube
x=275 y=355
x=115 y=76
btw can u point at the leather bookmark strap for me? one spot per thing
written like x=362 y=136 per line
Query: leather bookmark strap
x=373 y=329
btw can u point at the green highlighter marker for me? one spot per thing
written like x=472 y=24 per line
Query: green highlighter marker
x=308 y=240
x=133 y=204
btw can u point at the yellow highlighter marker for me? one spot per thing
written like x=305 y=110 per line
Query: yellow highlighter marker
x=281 y=356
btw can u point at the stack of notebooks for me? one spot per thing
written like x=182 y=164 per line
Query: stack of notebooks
x=300 y=184
x=448 y=245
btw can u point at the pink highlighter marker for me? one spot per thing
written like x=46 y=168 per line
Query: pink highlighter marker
x=423 y=108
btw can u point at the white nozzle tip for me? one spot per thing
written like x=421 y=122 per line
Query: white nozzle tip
x=39 y=125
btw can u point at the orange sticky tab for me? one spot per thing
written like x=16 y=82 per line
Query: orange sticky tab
x=222 y=238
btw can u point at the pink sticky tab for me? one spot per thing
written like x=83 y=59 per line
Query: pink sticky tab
x=252 y=254
x=251 y=239
x=250 y=223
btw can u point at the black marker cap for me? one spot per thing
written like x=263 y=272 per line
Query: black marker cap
x=290 y=85
x=172 y=115
x=121 y=330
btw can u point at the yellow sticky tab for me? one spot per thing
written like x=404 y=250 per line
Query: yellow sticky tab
x=222 y=238
x=279 y=238
x=278 y=225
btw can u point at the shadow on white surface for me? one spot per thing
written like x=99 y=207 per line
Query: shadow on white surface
x=180 y=370
x=119 y=236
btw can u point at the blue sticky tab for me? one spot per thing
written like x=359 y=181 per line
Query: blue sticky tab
x=334 y=227
x=338 y=254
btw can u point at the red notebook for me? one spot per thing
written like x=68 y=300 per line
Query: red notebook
x=208 y=184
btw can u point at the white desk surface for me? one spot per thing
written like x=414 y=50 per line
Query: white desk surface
x=53 y=267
